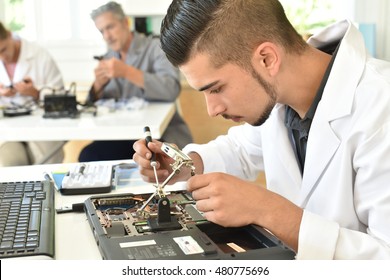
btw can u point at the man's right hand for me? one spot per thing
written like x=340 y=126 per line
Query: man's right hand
x=142 y=157
x=101 y=78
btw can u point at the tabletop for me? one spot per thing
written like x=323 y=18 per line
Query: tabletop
x=118 y=125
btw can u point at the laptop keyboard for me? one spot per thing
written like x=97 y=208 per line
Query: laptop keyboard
x=26 y=219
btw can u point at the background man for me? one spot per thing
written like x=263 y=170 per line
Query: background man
x=133 y=66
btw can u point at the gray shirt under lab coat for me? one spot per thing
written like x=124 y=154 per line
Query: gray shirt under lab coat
x=162 y=83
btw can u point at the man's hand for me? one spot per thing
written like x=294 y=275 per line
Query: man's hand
x=108 y=69
x=112 y=68
x=101 y=78
x=231 y=202
x=143 y=155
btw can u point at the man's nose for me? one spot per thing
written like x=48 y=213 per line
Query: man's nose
x=214 y=106
x=106 y=35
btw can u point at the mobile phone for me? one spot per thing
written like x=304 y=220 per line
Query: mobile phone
x=98 y=57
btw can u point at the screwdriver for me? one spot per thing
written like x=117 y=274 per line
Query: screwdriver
x=153 y=162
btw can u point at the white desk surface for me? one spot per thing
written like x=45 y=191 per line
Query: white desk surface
x=73 y=236
x=120 y=125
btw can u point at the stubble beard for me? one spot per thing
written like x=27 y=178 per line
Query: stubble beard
x=271 y=92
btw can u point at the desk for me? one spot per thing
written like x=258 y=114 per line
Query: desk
x=73 y=235
x=120 y=125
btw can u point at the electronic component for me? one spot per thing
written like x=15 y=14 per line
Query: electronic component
x=167 y=225
x=16 y=111
x=90 y=178
x=60 y=106
x=98 y=57
x=123 y=232
x=164 y=221
x=153 y=163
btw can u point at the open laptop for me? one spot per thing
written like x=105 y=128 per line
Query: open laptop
x=125 y=227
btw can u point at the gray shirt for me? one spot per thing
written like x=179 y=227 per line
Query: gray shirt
x=298 y=128
x=161 y=78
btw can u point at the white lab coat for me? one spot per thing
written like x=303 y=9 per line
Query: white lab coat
x=345 y=189
x=35 y=62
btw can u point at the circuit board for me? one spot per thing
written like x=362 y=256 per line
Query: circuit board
x=121 y=215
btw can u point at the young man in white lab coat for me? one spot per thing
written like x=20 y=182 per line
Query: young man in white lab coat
x=26 y=68
x=317 y=122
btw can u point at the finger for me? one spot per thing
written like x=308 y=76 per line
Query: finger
x=142 y=161
x=200 y=194
x=140 y=148
x=197 y=182
x=155 y=146
x=213 y=217
x=204 y=205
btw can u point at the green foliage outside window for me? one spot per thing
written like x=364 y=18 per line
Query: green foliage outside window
x=14 y=18
x=307 y=16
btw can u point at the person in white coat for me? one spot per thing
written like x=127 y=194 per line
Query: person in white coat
x=317 y=121
x=25 y=69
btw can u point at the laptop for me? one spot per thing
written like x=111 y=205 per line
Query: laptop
x=142 y=227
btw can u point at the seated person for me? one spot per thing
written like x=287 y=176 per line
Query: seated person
x=25 y=68
x=316 y=119
x=133 y=66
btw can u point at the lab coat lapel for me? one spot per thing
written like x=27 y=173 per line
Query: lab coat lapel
x=336 y=103
x=23 y=65
x=4 y=79
x=319 y=153
x=285 y=153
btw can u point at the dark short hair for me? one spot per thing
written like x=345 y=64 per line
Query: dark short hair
x=228 y=30
x=112 y=7
x=3 y=32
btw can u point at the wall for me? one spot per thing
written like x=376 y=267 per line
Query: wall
x=377 y=12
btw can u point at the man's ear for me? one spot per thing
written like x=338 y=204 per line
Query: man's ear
x=267 y=58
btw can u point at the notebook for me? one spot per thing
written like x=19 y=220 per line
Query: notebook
x=27 y=220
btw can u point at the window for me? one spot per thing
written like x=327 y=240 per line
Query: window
x=65 y=28
x=48 y=20
x=307 y=16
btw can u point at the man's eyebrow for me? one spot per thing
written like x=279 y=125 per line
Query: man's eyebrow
x=208 y=86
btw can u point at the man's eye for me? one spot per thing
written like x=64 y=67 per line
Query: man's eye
x=218 y=90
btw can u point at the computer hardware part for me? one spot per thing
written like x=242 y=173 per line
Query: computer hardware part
x=87 y=178
x=167 y=225
x=123 y=232
x=60 y=106
x=27 y=219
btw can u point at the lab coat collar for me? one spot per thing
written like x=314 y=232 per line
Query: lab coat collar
x=336 y=103
x=284 y=154
x=22 y=65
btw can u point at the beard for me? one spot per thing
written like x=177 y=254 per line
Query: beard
x=271 y=92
